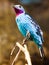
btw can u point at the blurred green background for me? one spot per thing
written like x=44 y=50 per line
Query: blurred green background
x=9 y=33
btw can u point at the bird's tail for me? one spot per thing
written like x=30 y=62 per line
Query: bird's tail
x=41 y=50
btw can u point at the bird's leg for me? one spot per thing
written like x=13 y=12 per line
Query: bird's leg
x=28 y=35
x=41 y=52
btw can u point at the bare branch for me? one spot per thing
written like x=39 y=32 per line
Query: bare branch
x=25 y=51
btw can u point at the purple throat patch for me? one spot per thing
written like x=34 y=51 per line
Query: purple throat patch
x=18 y=11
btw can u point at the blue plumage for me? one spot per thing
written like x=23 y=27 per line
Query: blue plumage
x=26 y=23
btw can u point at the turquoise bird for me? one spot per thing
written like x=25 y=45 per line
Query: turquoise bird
x=29 y=28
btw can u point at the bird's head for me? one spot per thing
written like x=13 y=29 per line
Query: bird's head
x=18 y=9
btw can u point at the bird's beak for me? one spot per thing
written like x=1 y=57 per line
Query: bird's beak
x=15 y=9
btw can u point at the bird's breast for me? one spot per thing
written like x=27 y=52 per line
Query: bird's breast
x=22 y=29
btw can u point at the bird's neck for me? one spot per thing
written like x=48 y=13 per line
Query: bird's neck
x=19 y=14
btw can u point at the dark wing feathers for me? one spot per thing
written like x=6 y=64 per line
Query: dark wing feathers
x=33 y=22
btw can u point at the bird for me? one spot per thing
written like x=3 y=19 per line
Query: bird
x=29 y=28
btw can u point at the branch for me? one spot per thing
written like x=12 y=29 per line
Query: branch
x=25 y=51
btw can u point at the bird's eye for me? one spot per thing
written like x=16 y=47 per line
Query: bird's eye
x=20 y=6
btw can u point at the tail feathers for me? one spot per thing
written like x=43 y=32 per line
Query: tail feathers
x=41 y=52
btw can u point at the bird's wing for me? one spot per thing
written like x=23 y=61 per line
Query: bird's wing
x=37 y=27
x=33 y=22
